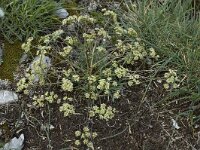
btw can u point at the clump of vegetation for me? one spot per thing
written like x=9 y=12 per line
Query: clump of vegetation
x=26 y=18
x=95 y=64
x=103 y=112
x=79 y=76
x=171 y=80
x=86 y=137
x=93 y=59
x=172 y=27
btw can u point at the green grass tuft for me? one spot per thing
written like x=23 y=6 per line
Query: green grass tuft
x=173 y=29
x=26 y=18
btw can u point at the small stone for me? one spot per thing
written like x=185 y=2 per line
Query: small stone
x=71 y=27
x=15 y=143
x=7 y=97
x=62 y=13
x=4 y=84
x=51 y=127
x=116 y=5
x=23 y=58
x=175 y=124
x=46 y=60
x=1 y=13
x=92 y=6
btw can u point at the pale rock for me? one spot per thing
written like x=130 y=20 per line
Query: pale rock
x=7 y=97
x=1 y=13
x=46 y=60
x=23 y=58
x=45 y=127
x=4 y=84
x=92 y=6
x=175 y=124
x=15 y=143
x=62 y=13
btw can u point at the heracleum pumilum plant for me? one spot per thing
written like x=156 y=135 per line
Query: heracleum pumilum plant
x=90 y=56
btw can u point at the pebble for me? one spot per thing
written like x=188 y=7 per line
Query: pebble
x=62 y=13
x=4 y=84
x=15 y=143
x=1 y=13
x=23 y=59
x=92 y=6
x=7 y=97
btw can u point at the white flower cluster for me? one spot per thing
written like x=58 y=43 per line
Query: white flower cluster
x=22 y=84
x=78 y=19
x=38 y=68
x=51 y=37
x=86 y=137
x=89 y=37
x=133 y=79
x=70 y=40
x=66 y=51
x=56 y=34
x=67 y=108
x=67 y=85
x=27 y=46
x=104 y=85
x=103 y=112
x=153 y=53
x=121 y=71
x=40 y=100
x=172 y=80
x=111 y=14
x=132 y=32
x=120 y=31
x=102 y=32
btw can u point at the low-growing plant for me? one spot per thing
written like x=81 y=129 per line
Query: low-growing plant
x=92 y=60
x=25 y=18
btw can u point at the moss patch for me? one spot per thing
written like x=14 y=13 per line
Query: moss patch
x=12 y=54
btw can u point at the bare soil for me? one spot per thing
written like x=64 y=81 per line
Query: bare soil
x=136 y=126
